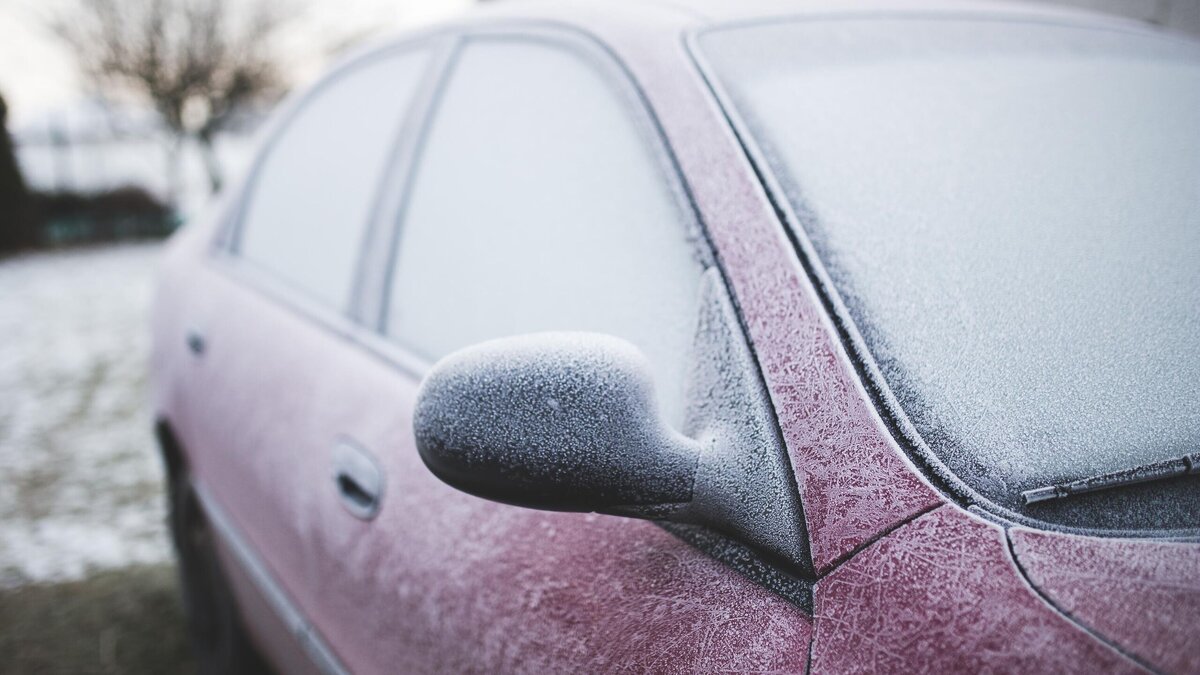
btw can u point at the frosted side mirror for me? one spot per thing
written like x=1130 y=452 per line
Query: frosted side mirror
x=557 y=421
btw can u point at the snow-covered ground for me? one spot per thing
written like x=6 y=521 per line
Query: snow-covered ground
x=80 y=481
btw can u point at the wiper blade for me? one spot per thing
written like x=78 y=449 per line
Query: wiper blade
x=1170 y=468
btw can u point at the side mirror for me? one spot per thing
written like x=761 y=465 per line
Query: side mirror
x=557 y=421
x=569 y=422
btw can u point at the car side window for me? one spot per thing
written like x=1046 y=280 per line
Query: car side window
x=311 y=199
x=543 y=201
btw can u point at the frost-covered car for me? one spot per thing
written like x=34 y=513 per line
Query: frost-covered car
x=871 y=331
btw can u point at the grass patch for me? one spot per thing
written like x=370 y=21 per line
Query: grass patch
x=120 y=621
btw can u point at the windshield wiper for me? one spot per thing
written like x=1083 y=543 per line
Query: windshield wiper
x=1180 y=466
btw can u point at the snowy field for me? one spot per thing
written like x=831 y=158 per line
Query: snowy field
x=80 y=480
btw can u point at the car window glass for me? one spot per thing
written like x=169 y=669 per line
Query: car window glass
x=311 y=200
x=1009 y=212
x=540 y=204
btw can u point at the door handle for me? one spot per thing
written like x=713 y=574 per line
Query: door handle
x=358 y=480
x=195 y=342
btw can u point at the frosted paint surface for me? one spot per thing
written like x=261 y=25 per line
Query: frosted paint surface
x=941 y=595
x=853 y=480
x=309 y=206
x=1142 y=595
x=539 y=592
x=539 y=205
x=743 y=484
x=442 y=581
x=1011 y=215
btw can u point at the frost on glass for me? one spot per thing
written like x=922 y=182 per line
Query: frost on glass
x=539 y=205
x=310 y=203
x=1012 y=217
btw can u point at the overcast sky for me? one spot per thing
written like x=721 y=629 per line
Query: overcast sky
x=37 y=74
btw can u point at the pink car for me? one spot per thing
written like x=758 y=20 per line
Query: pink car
x=871 y=330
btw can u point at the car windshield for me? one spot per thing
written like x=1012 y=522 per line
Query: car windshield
x=1010 y=215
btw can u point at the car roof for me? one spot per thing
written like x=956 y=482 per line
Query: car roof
x=685 y=14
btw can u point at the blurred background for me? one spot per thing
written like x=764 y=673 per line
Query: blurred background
x=120 y=120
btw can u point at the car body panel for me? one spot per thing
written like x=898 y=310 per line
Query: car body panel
x=1105 y=583
x=248 y=418
x=278 y=629
x=629 y=13
x=942 y=594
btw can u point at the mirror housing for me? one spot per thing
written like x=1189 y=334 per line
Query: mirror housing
x=556 y=421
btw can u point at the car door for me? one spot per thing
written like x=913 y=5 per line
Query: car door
x=271 y=318
x=541 y=198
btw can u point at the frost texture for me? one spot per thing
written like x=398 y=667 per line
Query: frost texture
x=1011 y=218
x=568 y=421
x=853 y=480
x=80 y=480
x=554 y=420
x=942 y=595
x=440 y=581
x=743 y=486
x=533 y=592
x=1142 y=595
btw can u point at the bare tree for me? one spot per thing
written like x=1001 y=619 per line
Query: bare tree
x=197 y=62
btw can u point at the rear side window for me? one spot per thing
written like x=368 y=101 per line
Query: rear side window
x=542 y=202
x=312 y=196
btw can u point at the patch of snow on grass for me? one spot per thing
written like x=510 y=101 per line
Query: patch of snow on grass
x=80 y=479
